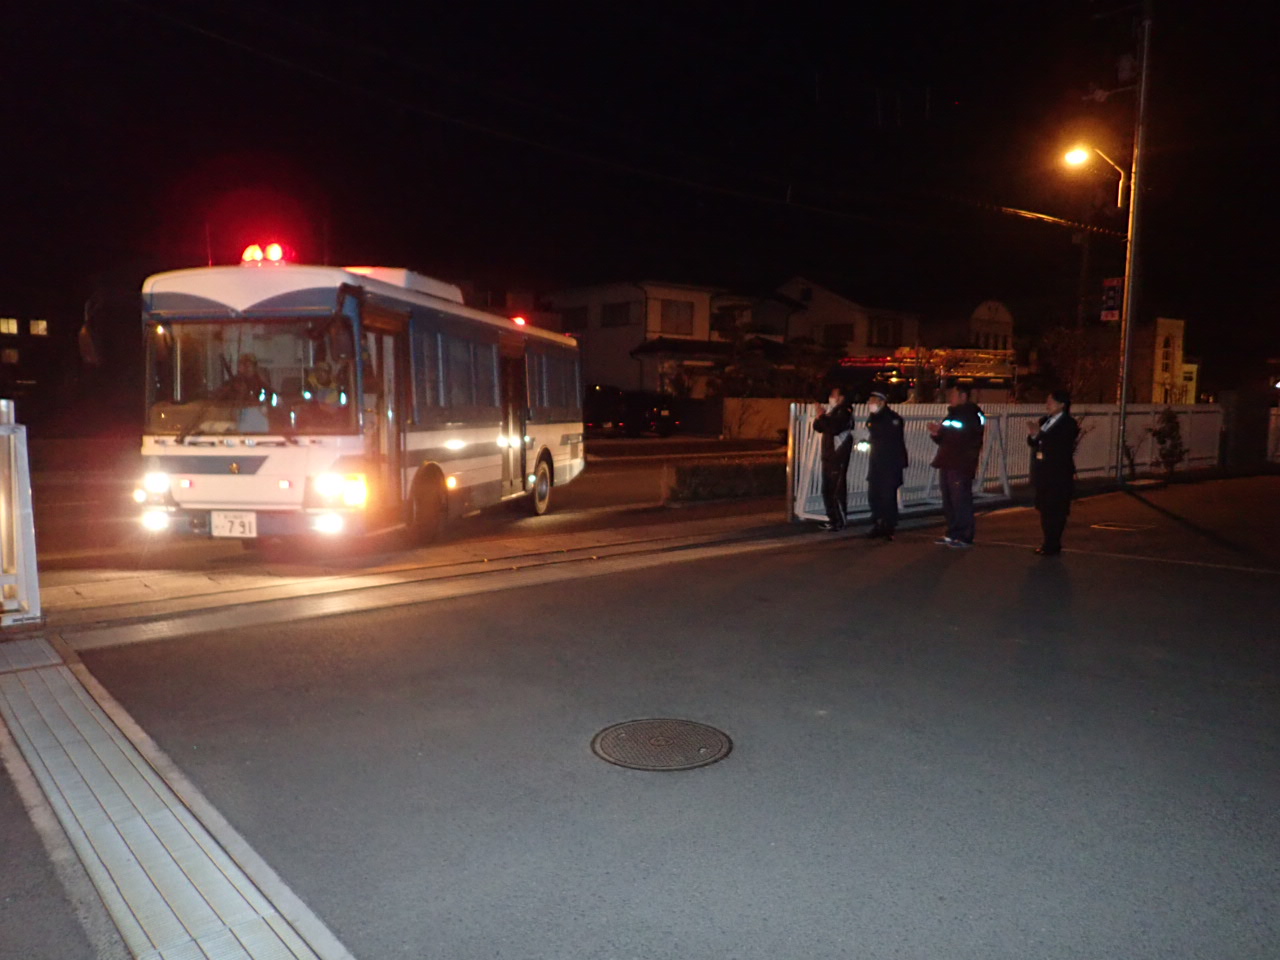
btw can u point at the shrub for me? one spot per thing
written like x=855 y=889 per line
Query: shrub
x=725 y=479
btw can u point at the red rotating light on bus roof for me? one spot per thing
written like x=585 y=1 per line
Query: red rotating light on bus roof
x=259 y=253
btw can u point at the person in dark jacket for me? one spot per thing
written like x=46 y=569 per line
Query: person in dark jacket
x=887 y=462
x=1053 y=468
x=959 y=440
x=835 y=423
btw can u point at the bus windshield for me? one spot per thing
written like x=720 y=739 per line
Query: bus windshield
x=250 y=377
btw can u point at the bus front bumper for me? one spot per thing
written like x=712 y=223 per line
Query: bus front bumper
x=251 y=524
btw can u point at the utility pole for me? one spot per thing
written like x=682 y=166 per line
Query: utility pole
x=1132 y=276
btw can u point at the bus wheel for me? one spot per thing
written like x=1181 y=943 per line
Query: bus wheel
x=540 y=495
x=428 y=511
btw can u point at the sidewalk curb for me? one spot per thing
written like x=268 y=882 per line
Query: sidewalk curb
x=99 y=929
x=312 y=929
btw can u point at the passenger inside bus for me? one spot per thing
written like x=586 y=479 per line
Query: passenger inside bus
x=321 y=386
x=249 y=385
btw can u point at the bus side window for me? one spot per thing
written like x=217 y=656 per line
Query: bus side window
x=486 y=375
x=459 y=374
x=534 y=376
x=426 y=361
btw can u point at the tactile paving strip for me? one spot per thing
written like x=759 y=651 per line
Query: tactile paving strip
x=170 y=888
x=27 y=653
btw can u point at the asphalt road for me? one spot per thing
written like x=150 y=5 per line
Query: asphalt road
x=938 y=753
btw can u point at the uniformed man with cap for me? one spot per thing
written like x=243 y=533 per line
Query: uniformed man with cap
x=1052 y=440
x=887 y=461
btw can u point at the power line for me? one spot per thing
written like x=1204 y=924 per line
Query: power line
x=783 y=201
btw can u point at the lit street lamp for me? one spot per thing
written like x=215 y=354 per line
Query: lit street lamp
x=1079 y=156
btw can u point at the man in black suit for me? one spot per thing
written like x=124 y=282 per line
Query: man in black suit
x=835 y=423
x=887 y=461
x=1053 y=468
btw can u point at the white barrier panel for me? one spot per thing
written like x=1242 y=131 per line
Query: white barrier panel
x=1006 y=458
x=1273 y=436
x=19 y=584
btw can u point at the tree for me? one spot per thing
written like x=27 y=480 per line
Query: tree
x=1167 y=434
x=1081 y=359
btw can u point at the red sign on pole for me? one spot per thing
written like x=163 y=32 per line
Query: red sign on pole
x=1112 y=294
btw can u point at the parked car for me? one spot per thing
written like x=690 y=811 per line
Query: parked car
x=611 y=411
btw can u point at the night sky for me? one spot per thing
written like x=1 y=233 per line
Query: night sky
x=544 y=146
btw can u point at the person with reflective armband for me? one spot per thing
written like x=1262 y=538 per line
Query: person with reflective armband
x=959 y=439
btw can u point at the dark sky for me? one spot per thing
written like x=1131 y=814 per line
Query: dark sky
x=515 y=145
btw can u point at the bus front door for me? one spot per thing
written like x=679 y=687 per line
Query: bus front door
x=384 y=408
x=515 y=408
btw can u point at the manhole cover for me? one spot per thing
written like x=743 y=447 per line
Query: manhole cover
x=661 y=744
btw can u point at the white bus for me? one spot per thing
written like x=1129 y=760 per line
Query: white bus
x=286 y=400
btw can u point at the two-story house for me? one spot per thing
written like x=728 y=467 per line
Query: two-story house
x=801 y=308
x=644 y=335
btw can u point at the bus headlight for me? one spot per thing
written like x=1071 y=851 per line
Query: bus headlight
x=351 y=489
x=156 y=483
x=155 y=520
x=327 y=523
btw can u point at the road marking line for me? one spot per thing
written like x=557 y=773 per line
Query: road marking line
x=1138 y=556
x=167 y=883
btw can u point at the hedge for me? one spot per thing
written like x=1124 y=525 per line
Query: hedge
x=725 y=479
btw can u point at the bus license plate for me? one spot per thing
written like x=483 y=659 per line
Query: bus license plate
x=233 y=523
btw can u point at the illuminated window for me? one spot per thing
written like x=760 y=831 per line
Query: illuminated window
x=9 y=356
x=8 y=324
x=39 y=328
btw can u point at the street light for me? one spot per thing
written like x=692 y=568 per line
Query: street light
x=1079 y=156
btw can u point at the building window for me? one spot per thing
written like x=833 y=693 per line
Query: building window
x=619 y=314
x=8 y=324
x=837 y=334
x=886 y=332
x=574 y=319
x=806 y=294
x=39 y=328
x=677 y=317
x=9 y=356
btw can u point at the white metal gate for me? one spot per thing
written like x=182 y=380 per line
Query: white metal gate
x=1006 y=459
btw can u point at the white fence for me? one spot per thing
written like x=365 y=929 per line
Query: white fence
x=19 y=584
x=1273 y=436
x=1006 y=458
